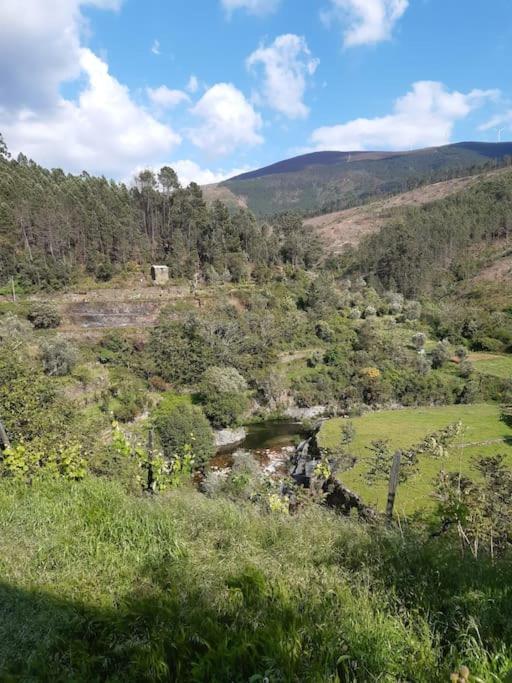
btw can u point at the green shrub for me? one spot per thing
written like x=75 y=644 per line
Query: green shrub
x=44 y=316
x=488 y=344
x=58 y=356
x=182 y=425
x=104 y=271
x=126 y=395
x=222 y=393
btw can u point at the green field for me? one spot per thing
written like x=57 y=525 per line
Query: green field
x=483 y=434
x=499 y=365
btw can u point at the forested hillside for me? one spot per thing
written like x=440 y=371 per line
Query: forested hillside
x=54 y=225
x=330 y=181
x=425 y=249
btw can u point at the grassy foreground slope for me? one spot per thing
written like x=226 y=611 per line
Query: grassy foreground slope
x=97 y=585
x=484 y=433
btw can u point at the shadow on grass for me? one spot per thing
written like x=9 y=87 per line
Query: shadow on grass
x=168 y=630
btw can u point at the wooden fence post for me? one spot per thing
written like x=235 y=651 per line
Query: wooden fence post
x=393 y=484
x=4 y=439
x=151 y=475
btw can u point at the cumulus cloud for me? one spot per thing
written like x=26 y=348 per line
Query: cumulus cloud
x=39 y=48
x=103 y=131
x=155 y=48
x=252 y=6
x=166 y=98
x=287 y=63
x=227 y=121
x=423 y=117
x=365 y=22
x=189 y=171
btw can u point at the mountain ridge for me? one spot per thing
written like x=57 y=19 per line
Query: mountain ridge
x=324 y=181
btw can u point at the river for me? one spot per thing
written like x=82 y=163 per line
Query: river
x=269 y=442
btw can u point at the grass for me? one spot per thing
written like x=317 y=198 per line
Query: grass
x=498 y=365
x=484 y=434
x=101 y=586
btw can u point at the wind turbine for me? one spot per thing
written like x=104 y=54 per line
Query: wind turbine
x=500 y=131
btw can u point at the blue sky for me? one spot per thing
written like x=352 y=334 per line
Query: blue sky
x=218 y=86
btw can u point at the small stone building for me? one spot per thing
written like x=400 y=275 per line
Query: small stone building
x=160 y=275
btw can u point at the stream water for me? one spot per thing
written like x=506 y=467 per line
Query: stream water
x=271 y=443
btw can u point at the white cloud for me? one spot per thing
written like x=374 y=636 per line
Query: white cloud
x=192 y=85
x=252 y=6
x=500 y=122
x=228 y=121
x=155 y=48
x=39 y=48
x=104 y=131
x=366 y=21
x=166 y=98
x=287 y=63
x=189 y=171
x=424 y=117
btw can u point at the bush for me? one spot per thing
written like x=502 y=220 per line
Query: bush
x=14 y=328
x=412 y=310
x=44 y=316
x=222 y=393
x=440 y=354
x=125 y=398
x=419 y=340
x=488 y=344
x=58 y=356
x=323 y=331
x=182 y=425
x=104 y=271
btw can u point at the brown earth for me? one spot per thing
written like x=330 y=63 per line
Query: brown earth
x=347 y=228
x=500 y=270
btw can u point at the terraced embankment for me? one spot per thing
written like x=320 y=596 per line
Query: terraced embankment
x=97 y=310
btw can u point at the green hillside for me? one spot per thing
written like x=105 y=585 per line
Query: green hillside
x=329 y=181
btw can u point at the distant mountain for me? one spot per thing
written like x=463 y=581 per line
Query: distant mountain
x=320 y=182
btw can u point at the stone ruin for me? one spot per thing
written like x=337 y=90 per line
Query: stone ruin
x=159 y=275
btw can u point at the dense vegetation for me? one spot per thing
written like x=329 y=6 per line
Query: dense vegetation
x=430 y=248
x=54 y=225
x=128 y=553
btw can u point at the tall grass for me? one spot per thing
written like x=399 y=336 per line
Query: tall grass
x=98 y=585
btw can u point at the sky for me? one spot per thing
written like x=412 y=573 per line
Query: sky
x=217 y=87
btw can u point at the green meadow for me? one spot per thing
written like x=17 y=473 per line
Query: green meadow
x=498 y=365
x=484 y=433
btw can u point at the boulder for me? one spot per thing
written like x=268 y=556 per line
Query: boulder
x=229 y=437
x=297 y=413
